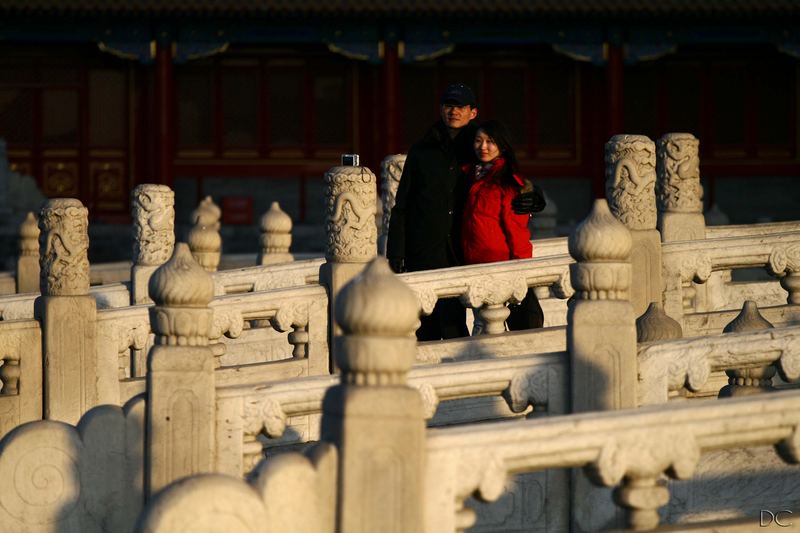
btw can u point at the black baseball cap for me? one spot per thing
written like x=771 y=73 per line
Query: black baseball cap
x=459 y=94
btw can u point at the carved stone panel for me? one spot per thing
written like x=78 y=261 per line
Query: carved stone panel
x=63 y=248
x=350 y=215
x=630 y=180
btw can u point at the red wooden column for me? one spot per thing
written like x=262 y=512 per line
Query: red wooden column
x=615 y=89
x=391 y=95
x=165 y=113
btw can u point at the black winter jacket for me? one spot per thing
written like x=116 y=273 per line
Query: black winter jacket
x=424 y=228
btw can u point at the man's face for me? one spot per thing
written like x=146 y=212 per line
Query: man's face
x=456 y=117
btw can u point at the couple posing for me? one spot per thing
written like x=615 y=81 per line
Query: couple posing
x=459 y=202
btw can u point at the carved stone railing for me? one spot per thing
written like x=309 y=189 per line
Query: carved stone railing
x=489 y=286
x=300 y=311
x=20 y=306
x=670 y=366
x=250 y=411
x=630 y=449
x=250 y=279
x=261 y=278
x=685 y=261
x=749 y=230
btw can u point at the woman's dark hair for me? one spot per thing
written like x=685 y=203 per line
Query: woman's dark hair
x=499 y=134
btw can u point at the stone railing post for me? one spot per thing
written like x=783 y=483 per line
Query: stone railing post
x=373 y=417
x=601 y=341
x=276 y=236
x=350 y=231
x=630 y=191
x=679 y=197
x=601 y=326
x=28 y=261
x=391 y=170
x=204 y=238
x=679 y=194
x=180 y=377
x=74 y=379
x=153 y=210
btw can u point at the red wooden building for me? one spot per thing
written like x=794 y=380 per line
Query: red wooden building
x=252 y=100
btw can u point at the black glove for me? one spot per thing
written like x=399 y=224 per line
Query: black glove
x=397 y=264
x=529 y=202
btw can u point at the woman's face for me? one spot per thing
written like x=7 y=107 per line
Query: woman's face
x=485 y=148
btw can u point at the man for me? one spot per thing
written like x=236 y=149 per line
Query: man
x=426 y=217
x=423 y=232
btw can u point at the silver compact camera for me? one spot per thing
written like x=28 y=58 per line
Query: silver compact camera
x=350 y=160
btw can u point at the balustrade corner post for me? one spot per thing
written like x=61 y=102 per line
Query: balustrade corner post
x=601 y=342
x=75 y=380
x=351 y=234
x=204 y=238
x=153 y=213
x=373 y=417
x=630 y=191
x=27 y=274
x=391 y=171
x=276 y=236
x=181 y=392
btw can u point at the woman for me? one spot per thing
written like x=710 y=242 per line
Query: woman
x=490 y=230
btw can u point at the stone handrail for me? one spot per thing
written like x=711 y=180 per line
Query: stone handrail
x=634 y=447
x=491 y=283
x=697 y=259
x=21 y=306
x=744 y=230
x=247 y=410
x=259 y=278
x=687 y=261
x=672 y=365
x=249 y=279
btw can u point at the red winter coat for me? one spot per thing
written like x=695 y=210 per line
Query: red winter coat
x=490 y=230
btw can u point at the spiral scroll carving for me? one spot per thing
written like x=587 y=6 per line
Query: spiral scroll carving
x=39 y=466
